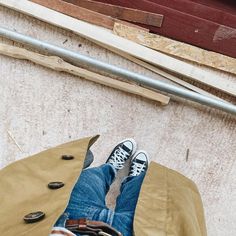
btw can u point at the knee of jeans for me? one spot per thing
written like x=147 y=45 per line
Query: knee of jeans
x=61 y=222
x=106 y=215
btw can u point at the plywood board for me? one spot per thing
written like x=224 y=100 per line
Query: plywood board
x=177 y=49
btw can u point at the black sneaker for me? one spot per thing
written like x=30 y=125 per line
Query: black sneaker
x=121 y=153
x=139 y=163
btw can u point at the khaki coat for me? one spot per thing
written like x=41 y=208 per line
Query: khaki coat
x=169 y=204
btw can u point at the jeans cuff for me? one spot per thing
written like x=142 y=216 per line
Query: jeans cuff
x=128 y=178
x=110 y=217
x=113 y=168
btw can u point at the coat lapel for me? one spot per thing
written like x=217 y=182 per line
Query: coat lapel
x=24 y=187
x=169 y=204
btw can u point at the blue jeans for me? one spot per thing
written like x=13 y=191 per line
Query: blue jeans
x=87 y=199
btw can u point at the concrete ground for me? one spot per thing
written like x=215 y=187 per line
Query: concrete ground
x=40 y=108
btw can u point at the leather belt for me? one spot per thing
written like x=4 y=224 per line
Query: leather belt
x=91 y=228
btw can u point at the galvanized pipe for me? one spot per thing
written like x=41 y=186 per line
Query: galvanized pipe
x=81 y=60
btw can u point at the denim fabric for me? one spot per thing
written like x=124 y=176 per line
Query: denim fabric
x=87 y=199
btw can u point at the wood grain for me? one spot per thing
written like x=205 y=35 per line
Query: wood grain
x=56 y=63
x=226 y=5
x=84 y=14
x=122 y=13
x=78 y=12
x=177 y=49
x=221 y=16
x=117 y=44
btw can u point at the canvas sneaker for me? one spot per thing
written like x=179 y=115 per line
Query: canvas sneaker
x=139 y=163
x=121 y=153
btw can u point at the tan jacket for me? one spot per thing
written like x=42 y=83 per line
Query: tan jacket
x=169 y=203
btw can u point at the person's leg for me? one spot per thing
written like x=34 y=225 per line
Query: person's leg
x=129 y=192
x=126 y=204
x=87 y=199
x=88 y=196
x=93 y=185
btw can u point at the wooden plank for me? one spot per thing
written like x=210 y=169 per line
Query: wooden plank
x=220 y=16
x=122 y=13
x=84 y=14
x=177 y=49
x=226 y=5
x=115 y=43
x=56 y=63
x=187 y=28
x=78 y=12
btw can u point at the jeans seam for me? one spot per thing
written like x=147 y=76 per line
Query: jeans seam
x=110 y=216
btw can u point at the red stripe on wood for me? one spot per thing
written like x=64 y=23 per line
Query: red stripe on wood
x=219 y=16
x=225 y=5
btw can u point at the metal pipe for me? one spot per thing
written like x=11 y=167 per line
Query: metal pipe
x=82 y=60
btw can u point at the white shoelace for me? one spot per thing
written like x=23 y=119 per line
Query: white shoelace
x=118 y=158
x=137 y=168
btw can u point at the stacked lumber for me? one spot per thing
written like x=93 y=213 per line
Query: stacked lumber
x=206 y=24
x=126 y=32
x=177 y=49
